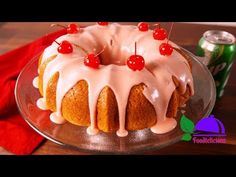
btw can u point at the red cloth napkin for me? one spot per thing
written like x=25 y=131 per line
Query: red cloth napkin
x=15 y=134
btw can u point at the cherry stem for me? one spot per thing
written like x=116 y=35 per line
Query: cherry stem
x=170 y=32
x=135 y=48
x=83 y=49
x=53 y=25
x=57 y=42
x=101 y=51
x=111 y=42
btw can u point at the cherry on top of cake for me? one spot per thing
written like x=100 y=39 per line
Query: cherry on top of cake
x=134 y=62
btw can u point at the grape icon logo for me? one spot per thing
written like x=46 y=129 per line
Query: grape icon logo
x=208 y=130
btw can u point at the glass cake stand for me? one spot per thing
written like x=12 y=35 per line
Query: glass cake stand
x=200 y=105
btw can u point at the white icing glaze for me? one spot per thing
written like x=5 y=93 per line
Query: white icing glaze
x=36 y=82
x=157 y=74
x=57 y=118
x=41 y=103
x=92 y=131
x=164 y=126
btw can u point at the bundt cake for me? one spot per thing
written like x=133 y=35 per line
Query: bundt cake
x=88 y=78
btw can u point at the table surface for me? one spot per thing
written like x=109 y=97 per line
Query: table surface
x=13 y=35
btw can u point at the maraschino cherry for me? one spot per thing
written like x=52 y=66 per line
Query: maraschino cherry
x=142 y=26
x=72 y=28
x=103 y=23
x=159 y=33
x=136 y=62
x=65 y=47
x=92 y=61
x=165 y=49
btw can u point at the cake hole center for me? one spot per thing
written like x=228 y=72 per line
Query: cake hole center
x=109 y=58
x=116 y=54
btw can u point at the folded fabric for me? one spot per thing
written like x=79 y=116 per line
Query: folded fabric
x=15 y=134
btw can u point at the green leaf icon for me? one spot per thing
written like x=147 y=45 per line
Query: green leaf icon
x=186 y=124
x=186 y=137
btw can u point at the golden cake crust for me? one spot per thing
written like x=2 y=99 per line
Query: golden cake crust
x=140 y=113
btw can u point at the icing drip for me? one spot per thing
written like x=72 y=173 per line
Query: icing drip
x=157 y=74
x=41 y=103
x=164 y=126
x=57 y=118
x=36 y=82
x=92 y=131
